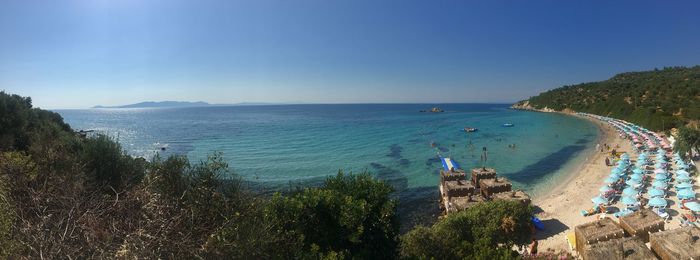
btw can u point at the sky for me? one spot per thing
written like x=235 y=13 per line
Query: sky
x=81 y=53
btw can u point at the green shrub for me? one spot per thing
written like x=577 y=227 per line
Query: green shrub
x=108 y=165
x=486 y=231
x=350 y=215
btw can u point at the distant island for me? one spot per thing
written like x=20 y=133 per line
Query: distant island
x=153 y=104
x=166 y=104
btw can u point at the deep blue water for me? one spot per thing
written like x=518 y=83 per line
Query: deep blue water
x=273 y=146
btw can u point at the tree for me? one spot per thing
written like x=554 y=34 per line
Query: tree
x=486 y=231
x=350 y=215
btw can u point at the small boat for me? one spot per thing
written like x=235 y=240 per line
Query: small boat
x=470 y=129
x=508 y=125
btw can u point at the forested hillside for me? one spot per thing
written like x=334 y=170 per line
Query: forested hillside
x=658 y=99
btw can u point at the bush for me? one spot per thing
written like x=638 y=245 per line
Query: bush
x=108 y=165
x=486 y=231
x=350 y=215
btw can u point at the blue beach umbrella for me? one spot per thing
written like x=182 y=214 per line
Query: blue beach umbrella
x=599 y=200
x=684 y=185
x=658 y=202
x=636 y=177
x=629 y=201
x=632 y=183
x=686 y=194
x=661 y=176
x=616 y=171
x=683 y=178
x=629 y=191
x=682 y=172
x=656 y=193
x=638 y=171
x=605 y=188
x=610 y=180
x=659 y=184
x=614 y=175
x=693 y=205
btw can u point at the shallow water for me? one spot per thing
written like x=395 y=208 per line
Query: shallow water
x=273 y=146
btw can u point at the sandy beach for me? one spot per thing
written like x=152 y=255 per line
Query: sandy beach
x=560 y=208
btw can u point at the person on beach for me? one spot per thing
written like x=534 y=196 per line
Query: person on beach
x=597 y=147
x=533 y=247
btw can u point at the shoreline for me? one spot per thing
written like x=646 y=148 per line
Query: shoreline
x=577 y=163
x=559 y=208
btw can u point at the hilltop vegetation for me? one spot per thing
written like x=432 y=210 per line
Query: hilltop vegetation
x=66 y=196
x=658 y=99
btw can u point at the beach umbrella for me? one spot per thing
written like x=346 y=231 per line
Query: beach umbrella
x=658 y=202
x=683 y=178
x=661 y=176
x=629 y=200
x=682 y=166
x=599 y=200
x=632 y=183
x=614 y=175
x=659 y=184
x=605 y=188
x=615 y=171
x=686 y=194
x=636 y=177
x=611 y=180
x=629 y=191
x=638 y=171
x=682 y=172
x=684 y=185
x=656 y=193
x=659 y=171
x=693 y=205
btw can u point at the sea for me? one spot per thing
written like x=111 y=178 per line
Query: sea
x=282 y=147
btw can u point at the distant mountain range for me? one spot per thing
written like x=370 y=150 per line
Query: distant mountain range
x=149 y=104
x=164 y=104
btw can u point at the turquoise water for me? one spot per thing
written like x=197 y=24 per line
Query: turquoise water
x=273 y=146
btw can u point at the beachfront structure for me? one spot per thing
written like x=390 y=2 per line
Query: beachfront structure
x=489 y=187
x=595 y=232
x=516 y=195
x=680 y=243
x=456 y=204
x=482 y=173
x=456 y=193
x=642 y=223
x=621 y=248
x=458 y=188
x=452 y=175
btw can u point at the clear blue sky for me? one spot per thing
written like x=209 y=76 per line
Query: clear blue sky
x=72 y=54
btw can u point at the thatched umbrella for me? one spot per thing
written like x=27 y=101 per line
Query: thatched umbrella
x=598 y=231
x=679 y=243
x=629 y=248
x=641 y=223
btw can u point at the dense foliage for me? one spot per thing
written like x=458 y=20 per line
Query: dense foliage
x=485 y=231
x=658 y=99
x=67 y=196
